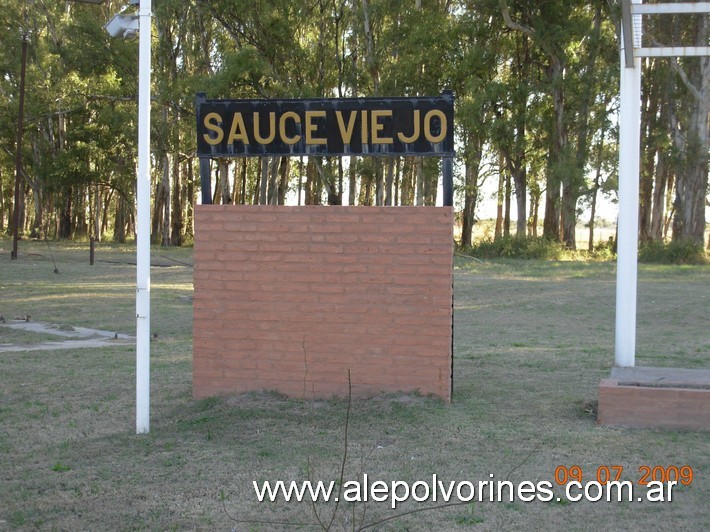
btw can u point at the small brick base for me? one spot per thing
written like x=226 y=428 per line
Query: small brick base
x=293 y=298
x=666 y=398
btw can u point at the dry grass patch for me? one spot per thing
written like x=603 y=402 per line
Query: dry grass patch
x=533 y=339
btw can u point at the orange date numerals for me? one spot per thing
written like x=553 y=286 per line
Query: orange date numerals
x=612 y=473
x=683 y=475
x=565 y=475
x=609 y=473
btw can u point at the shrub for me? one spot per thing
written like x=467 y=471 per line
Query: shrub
x=674 y=252
x=518 y=247
x=604 y=250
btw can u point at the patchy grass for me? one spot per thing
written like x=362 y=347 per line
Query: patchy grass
x=9 y=335
x=532 y=341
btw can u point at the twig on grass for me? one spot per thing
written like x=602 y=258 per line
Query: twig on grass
x=346 y=444
x=345 y=450
x=56 y=270
x=469 y=257
x=521 y=464
x=264 y=521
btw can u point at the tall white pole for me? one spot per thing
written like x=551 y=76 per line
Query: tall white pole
x=627 y=245
x=143 y=224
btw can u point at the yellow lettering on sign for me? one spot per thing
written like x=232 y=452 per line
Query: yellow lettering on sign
x=311 y=128
x=282 y=127
x=377 y=127
x=346 y=133
x=363 y=128
x=427 y=126
x=272 y=129
x=212 y=122
x=415 y=135
x=238 y=131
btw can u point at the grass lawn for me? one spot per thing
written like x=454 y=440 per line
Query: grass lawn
x=532 y=341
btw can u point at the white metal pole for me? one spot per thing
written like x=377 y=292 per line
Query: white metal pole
x=143 y=224
x=627 y=245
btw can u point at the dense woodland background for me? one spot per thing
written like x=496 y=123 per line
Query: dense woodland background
x=536 y=85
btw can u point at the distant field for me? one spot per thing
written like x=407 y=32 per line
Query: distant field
x=532 y=341
x=602 y=232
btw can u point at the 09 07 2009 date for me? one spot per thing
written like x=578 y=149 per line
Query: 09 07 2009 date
x=613 y=473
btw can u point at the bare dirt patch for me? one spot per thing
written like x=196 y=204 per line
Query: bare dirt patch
x=74 y=337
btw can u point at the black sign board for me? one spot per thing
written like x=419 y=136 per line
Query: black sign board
x=350 y=126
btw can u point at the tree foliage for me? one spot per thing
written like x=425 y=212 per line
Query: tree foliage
x=535 y=84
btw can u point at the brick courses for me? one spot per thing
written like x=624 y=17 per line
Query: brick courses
x=291 y=298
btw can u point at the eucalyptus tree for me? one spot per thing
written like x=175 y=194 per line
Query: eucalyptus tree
x=657 y=176
x=675 y=132
x=279 y=50
x=534 y=83
x=14 y=24
x=477 y=54
x=75 y=127
x=690 y=128
x=515 y=89
x=186 y=39
x=573 y=42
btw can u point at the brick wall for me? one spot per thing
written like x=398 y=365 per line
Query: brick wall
x=291 y=298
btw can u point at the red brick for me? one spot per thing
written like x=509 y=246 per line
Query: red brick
x=366 y=289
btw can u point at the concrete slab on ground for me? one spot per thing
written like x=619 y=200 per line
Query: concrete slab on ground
x=75 y=337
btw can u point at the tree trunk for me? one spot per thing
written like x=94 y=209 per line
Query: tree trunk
x=595 y=189
x=551 y=221
x=119 y=227
x=352 y=181
x=272 y=191
x=2 y=203
x=551 y=228
x=284 y=173
x=569 y=216
x=190 y=200
x=520 y=177
x=224 y=188
x=379 y=183
x=397 y=180
x=161 y=196
x=649 y=112
x=245 y=166
x=340 y=180
x=264 y=182
x=506 y=217
x=419 y=172
x=408 y=181
x=165 y=240
x=300 y=180
x=65 y=215
x=669 y=205
x=310 y=172
x=498 y=233
x=535 y=214
x=389 y=181
x=659 y=199
x=106 y=201
x=692 y=180
x=177 y=210
x=96 y=219
x=470 y=195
